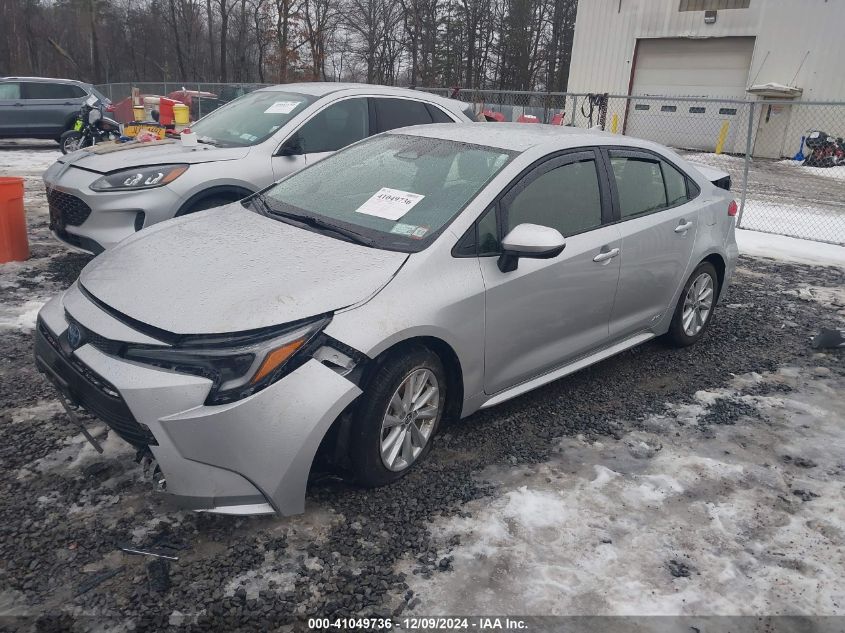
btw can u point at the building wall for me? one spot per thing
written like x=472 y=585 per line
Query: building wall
x=797 y=43
x=786 y=32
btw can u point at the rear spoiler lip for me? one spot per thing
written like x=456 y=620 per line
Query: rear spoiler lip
x=719 y=178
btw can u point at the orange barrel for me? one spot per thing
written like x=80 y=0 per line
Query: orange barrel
x=14 y=245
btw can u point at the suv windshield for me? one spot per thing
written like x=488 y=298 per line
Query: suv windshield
x=396 y=191
x=250 y=119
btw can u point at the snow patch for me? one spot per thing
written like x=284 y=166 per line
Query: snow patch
x=598 y=530
x=791 y=249
x=21 y=317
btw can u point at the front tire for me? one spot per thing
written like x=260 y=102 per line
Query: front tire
x=695 y=306
x=398 y=416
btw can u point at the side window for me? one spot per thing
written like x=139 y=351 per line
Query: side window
x=676 y=184
x=639 y=184
x=335 y=127
x=36 y=90
x=393 y=113
x=566 y=198
x=10 y=90
x=488 y=234
x=437 y=115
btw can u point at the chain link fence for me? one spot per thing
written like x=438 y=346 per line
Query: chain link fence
x=785 y=182
x=202 y=98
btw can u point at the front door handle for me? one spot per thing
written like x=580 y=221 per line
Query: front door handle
x=683 y=227
x=606 y=255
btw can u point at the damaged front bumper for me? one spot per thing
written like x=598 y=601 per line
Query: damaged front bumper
x=250 y=456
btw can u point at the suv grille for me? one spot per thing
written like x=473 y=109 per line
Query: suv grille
x=66 y=210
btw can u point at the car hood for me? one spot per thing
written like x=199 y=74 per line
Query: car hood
x=230 y=270
x=110 y=158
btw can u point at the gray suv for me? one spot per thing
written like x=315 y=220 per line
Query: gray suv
x=39 y=107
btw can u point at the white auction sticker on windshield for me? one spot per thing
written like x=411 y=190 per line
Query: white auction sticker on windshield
x=390 y=204
x=282 y=107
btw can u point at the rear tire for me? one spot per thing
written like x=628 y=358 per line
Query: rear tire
x=399 y=413
x=695 y=307
x=71 y=141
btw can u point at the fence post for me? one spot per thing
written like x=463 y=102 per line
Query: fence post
x=748 y=138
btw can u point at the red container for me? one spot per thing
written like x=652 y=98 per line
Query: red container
x=165 y=111
x=14 y=245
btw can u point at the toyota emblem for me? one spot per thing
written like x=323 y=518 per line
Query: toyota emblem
x=74 y=336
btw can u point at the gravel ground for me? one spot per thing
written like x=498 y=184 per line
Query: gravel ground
x=64 y=509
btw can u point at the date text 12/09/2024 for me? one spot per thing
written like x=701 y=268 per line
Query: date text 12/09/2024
x=420 y=624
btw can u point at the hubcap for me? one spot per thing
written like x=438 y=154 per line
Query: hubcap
x=409 y=419
x=73 y=144
x=697 y=304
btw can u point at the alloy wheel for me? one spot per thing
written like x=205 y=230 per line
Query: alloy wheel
x=697 y=304
x=409 y=420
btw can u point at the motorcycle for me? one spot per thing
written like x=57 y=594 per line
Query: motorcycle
x=825 y=151
x=91 y=127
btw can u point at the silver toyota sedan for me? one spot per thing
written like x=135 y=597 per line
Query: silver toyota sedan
x=414 y=276
x=101 y=195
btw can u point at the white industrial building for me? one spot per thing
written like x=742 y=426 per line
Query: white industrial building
x=785 y=50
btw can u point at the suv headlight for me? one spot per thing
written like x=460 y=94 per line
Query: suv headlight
x=238 y=364
x=139 y=178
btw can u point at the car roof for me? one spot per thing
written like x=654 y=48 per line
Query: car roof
x=323 y=88
x=50 y=79
x=521 y=137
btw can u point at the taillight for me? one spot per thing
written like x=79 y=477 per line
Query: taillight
x=110 y=107
x=732 y=208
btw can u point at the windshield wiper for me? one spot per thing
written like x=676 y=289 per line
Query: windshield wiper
x=314 y=222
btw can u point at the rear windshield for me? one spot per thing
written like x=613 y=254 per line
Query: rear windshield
x=250 y=119
x=397 y=190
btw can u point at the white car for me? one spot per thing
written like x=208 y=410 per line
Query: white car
x=416 y=275
x=99 y=196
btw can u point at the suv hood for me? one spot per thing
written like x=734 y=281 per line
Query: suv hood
x=156 y=153
x=229 y=270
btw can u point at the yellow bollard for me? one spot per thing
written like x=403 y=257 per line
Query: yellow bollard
x=723 y=134
x=614 y=123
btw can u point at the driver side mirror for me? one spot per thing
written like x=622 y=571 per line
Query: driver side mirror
x=532 y=241
x=293 y=146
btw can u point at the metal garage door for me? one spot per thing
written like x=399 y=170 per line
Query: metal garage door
x=714 y=68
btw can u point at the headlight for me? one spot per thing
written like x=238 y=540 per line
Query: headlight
x=140 y=178
x=237 y=364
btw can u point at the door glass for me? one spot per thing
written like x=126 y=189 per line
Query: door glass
x=335 y=127
x=35 y=90
x=437 y=115
x=639 y=184
x=488 y=234
x=676 y=184
x=566 y=198
x=10 y=91
x=394 y=113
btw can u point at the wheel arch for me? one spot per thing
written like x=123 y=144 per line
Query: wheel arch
x=236 y=192
x=719 y=263
x=335 y=444
x=451 y=365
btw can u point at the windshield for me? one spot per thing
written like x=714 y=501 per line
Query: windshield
x=250 y=119
x=397 y=191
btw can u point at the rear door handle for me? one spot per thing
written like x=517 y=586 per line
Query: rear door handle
x=606 y=255
x=683 y=227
